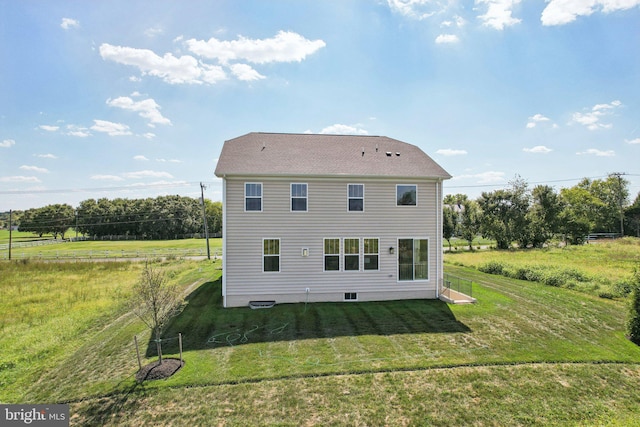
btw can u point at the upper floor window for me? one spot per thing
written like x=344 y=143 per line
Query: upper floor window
x=253 y=196
x=406 y=195
x=299 y=197
x=270 y=255
x=355 y=197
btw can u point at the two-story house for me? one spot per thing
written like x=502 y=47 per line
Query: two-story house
x=311 y=218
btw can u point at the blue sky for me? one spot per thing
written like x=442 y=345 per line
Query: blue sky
x=135 y=98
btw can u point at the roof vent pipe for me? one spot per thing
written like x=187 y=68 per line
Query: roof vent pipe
x=363 y=151
x=398 y=153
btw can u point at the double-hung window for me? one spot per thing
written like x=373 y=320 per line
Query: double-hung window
x=253 y=196
x=406 y=195
x=271 y=255
x=299 y=197
x=371 y=254
x=355 y=197
x=352 y=254
x=331 y=254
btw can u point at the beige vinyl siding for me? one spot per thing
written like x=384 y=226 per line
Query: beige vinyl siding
x=327 y=217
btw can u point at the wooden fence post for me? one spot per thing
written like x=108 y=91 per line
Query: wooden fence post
x=180 y=342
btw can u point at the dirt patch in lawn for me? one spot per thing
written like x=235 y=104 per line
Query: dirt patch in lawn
x=159 y=371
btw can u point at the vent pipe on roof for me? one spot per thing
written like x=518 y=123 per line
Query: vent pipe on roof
x=398 y=153
x=376 y=147
x=264 y=145
x=363 y=151
x=388 y=153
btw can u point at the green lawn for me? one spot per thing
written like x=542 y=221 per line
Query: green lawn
x=598 y=268
x=117 y=249
x=525 y=354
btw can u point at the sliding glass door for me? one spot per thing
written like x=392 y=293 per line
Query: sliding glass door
x=413 y=259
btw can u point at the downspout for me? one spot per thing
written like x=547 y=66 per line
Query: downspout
x=224 y=241
x=439 y=236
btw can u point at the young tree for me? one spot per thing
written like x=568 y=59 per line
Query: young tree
x=155 y=302
x=470 y=221
x=544 y=215
x=449 y=220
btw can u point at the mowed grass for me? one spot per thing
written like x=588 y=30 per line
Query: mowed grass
x=525 y=354
x=48 y=311
x=602 y=268
x=112 y=249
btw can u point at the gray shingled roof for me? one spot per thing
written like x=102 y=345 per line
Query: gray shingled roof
x=283 y=154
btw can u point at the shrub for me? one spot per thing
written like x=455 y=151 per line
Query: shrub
x=492 y=267
x=633 y=323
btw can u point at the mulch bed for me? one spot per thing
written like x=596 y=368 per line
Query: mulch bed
x=157 y=371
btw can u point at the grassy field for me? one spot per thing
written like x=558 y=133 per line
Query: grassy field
x=117 y=249
x=598 y=268
x=525 y=354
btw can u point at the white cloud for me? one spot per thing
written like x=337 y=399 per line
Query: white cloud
x=560 y=12
x=46 y=156
x=488 y=177
x=416 y=9
x=141 y=158
x=245 y=72
x=538 y=149
x=285 y=46
x=499 y=13
x=111 y=128
x=147 y=109
x=592 y=118
x=170 y=160
x=146 y=174
x=78 y=131
x=451 y=152
x=7 y=143
x=49 y=128
x=447 y=38
x=632 y=141
x=457 y=21
x=169 y=68
x=149 y=135
x=339 y=129
x=596 y=152
x=153 y=31
x=19 y=179
x=535 y=119
x=34 y=169
x=106 y=178
x=68 y=23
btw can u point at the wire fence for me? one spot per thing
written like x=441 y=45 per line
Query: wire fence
x=458 y=284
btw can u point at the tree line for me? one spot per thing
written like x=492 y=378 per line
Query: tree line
x=160 y=218
x=533 y=217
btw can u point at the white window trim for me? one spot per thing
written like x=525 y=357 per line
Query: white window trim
x=253 y=197
x=407 y=206
x=279 y=255
x=345 y=254
x=365 y=254
x=291 y=196
x=324 y=254
x=363 y=195
x=397 y=250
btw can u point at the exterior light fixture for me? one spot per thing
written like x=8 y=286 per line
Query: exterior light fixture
x=392 y=250
x=305 y=252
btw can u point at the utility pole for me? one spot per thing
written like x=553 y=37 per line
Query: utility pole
x=204 y=217
x=619 y=176
x=10 y=231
